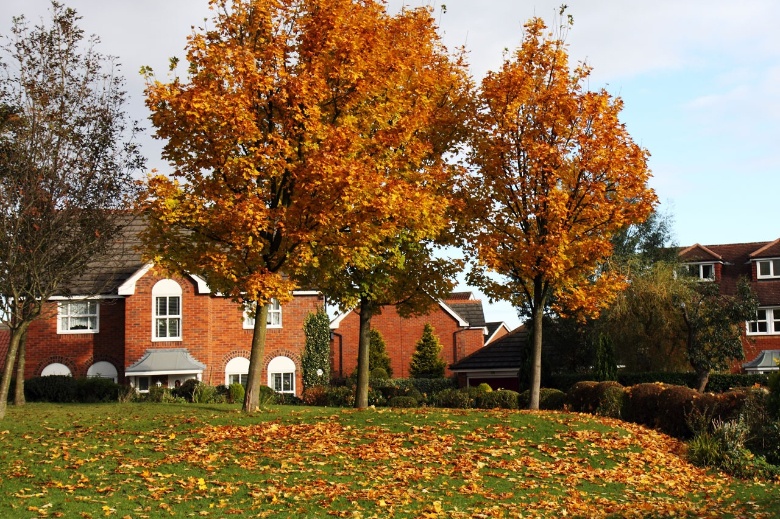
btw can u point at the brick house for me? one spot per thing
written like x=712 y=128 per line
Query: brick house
x=459 y=322
x=145 y=327
x=758 y=262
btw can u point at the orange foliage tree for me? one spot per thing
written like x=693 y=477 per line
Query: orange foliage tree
x=555 y=176
x=302 y=123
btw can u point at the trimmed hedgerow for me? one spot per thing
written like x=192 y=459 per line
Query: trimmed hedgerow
x=642 y=403
x=95 y=389
x=718 y=382
x=52 y=388
x=403 y=401
x=500 y=399
x=550 y=399
x=453 y=399
x=612 y=401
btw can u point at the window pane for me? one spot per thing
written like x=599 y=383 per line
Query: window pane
x=287 y=377
x=173 y=328
x=776 y=267
x=78 y=308
x=277 y=380
x=143 y=382
x=707 y=272
x=763 y=268
x=162 y=327
x=162 y=306
x=173 y=306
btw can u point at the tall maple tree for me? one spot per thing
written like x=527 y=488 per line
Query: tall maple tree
x=302 y=123
x=555 y=176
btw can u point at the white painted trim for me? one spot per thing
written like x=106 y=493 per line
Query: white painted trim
x=152 y=373
x=82 y=297
x=334 y=324
x=306 y=293
x=492 y=337
x=128 y=287
x=203 y=287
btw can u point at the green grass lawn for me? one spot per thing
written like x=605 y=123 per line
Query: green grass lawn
x=183 y=460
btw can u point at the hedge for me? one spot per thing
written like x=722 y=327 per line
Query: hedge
x=718 y=382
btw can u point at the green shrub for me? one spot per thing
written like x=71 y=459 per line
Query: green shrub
x=187 y=389
x=704 y=450
x=236 y=393
x=773 y=400
x=484 y=387
x=159 y=394
x=550 y=399
x=378 y=374
x=765 y=441
x=453 y=399
x=341 y=396
x=52 y=388
x=204 y=394
x=582 y=397
x=675 y=404
x=501 y=399
x=426 y=359
x=403 y=401
x=565 y=381
x=95 y=389
x=266 y=397
x=612 y=401
x=127 y=394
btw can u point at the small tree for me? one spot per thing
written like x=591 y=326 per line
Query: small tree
x=315 y=361
x=377 y=354
x=606 y=368
x=427 y=361
x=67 y=159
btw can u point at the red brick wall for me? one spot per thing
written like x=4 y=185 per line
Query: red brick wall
x=401 y=336
x=212 y=331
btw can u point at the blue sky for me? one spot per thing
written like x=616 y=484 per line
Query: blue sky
x=700 y=80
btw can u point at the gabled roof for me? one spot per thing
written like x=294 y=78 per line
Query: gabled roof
x=698 y=252
x=106 y=274
x=493 y=329
x=770 y=250
x=766 y=360
x=336 y=321
x=504 y=353
x=470 y=310
x=166 y=361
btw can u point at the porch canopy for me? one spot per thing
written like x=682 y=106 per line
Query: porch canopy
x=167 y=361
x=765 y=362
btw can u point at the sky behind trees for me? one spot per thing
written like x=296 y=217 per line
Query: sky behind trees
x=700 y=81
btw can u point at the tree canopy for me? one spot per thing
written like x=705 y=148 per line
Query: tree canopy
x=303 y=125
x=67 y=158
x=555 y=176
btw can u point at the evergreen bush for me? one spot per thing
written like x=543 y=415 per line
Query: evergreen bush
x=315 y=361
x=377 y=355
x=51 y=388
x=341 y=396
x=315 y=395
x=236 y=393
x=403 y=402
x=95 y=389
x=426 y=360
x=500 y=399
x=453 y=399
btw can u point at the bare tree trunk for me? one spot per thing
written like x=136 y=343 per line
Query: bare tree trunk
x=361 y=392
x=536 y=359
x=702 y=377
x=256 y=360
x=10 y=361
x=20 y=360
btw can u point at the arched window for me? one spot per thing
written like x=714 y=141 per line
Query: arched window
x=281 y=375
x=236 y=371
x=56 y=369
x=166 y=321
x=103 y=369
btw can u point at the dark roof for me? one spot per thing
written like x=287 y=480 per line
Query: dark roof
x=105 y=275
x=471 y=311
x=736 y=259
x=460 y=296
x=504 y=353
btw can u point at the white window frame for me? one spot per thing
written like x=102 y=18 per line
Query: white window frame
x=166 y=289
x=103 y=369
x=281 y=375
x=700 y=268
x=771 y=321
x=64 y=313
x=774 y=268
x=237 y=371
x=274 y=316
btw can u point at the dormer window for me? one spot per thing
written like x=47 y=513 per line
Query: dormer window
x=768 y=268
x=702 y=271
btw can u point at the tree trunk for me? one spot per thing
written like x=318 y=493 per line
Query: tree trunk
x=256 y=360
x=537 y=313
x=20 y=357
x=10 y=361
x=361 y=392
x=702 y=377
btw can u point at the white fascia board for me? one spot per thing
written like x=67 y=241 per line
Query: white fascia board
x=128 y=287
x=334 y=324
x=83 y=298
x=154 y=373
x=306 y=292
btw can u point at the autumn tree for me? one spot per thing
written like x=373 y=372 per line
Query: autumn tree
x=66 y=164
x=315 y=361
x=426 y=360
x=303 y=125
x=555 y=176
